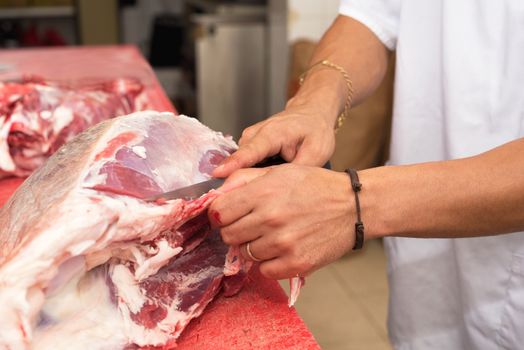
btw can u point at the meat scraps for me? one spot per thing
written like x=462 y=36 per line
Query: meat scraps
x=37 y=116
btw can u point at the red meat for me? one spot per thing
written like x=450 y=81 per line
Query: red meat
x=37 y=117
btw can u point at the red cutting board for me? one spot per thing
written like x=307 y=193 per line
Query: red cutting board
x=256 y=318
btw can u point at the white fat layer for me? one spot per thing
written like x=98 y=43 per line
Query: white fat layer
x=128 y=289
x=117 y=220
x=152 y=265
x=82 y=316
x=141 y=251
x=140 y=151
x=66 y=272
x=80 y=247
x=125 y=251
x=16 y=302
x=63 y=116
x=6 y=161
x=95 y=222
x=46 y=115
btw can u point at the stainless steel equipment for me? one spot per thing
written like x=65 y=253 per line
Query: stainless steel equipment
x=231 y=64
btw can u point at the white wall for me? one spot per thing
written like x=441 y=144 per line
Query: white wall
x=309 y=19
x=288 y=21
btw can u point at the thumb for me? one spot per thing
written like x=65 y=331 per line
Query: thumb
x=249 y=154
x=313 y=152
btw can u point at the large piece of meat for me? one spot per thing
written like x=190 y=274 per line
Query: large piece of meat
x=38 y=116
x=86 y=263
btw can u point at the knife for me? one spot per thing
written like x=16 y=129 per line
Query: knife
x=189 y=192
x=196 y=190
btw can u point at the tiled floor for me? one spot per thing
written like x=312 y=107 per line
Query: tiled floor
x=345 y=303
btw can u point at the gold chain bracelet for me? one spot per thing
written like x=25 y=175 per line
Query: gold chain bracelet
x=349 y=84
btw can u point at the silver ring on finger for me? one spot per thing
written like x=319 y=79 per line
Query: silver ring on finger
x=251 y=256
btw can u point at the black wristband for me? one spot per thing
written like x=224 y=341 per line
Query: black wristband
x=359 y=225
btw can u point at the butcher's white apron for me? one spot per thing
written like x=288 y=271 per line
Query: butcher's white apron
x=459 y=91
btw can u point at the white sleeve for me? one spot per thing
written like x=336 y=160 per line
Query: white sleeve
x=380 y=16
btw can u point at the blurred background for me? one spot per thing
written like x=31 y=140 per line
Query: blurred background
x=231 y=64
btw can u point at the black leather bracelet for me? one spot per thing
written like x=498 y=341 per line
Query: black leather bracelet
x=359 y=225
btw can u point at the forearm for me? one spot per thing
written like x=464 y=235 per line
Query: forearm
x=304 y=132
x=477 y=196
x=350 y=44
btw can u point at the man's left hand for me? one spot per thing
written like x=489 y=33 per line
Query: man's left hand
x=296 y=219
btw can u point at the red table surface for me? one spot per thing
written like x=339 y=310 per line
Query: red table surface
x=258 y=317
x=85 y=63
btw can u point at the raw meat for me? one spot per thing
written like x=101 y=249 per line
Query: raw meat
x=37 y=117
x=84 y=260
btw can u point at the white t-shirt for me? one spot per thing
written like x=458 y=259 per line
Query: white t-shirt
x=459 y=91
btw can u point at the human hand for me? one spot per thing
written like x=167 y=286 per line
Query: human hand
x=295 y=218
x=300 y=134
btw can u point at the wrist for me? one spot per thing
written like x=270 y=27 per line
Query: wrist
x=323 y=91
x=345 y=197
x=371 y=200
x=383 y=201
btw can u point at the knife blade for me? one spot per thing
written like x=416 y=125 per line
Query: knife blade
x=189 y=192
x=196 y=190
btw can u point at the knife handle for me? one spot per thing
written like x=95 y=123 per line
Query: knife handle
x=271 y=161
x=277 y=160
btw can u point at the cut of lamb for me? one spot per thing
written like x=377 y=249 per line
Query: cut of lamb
x=85 y=260
x=37 y=116
x=83 y=211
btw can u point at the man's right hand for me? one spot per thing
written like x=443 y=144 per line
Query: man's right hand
x=303 y=133
x=300 y=134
